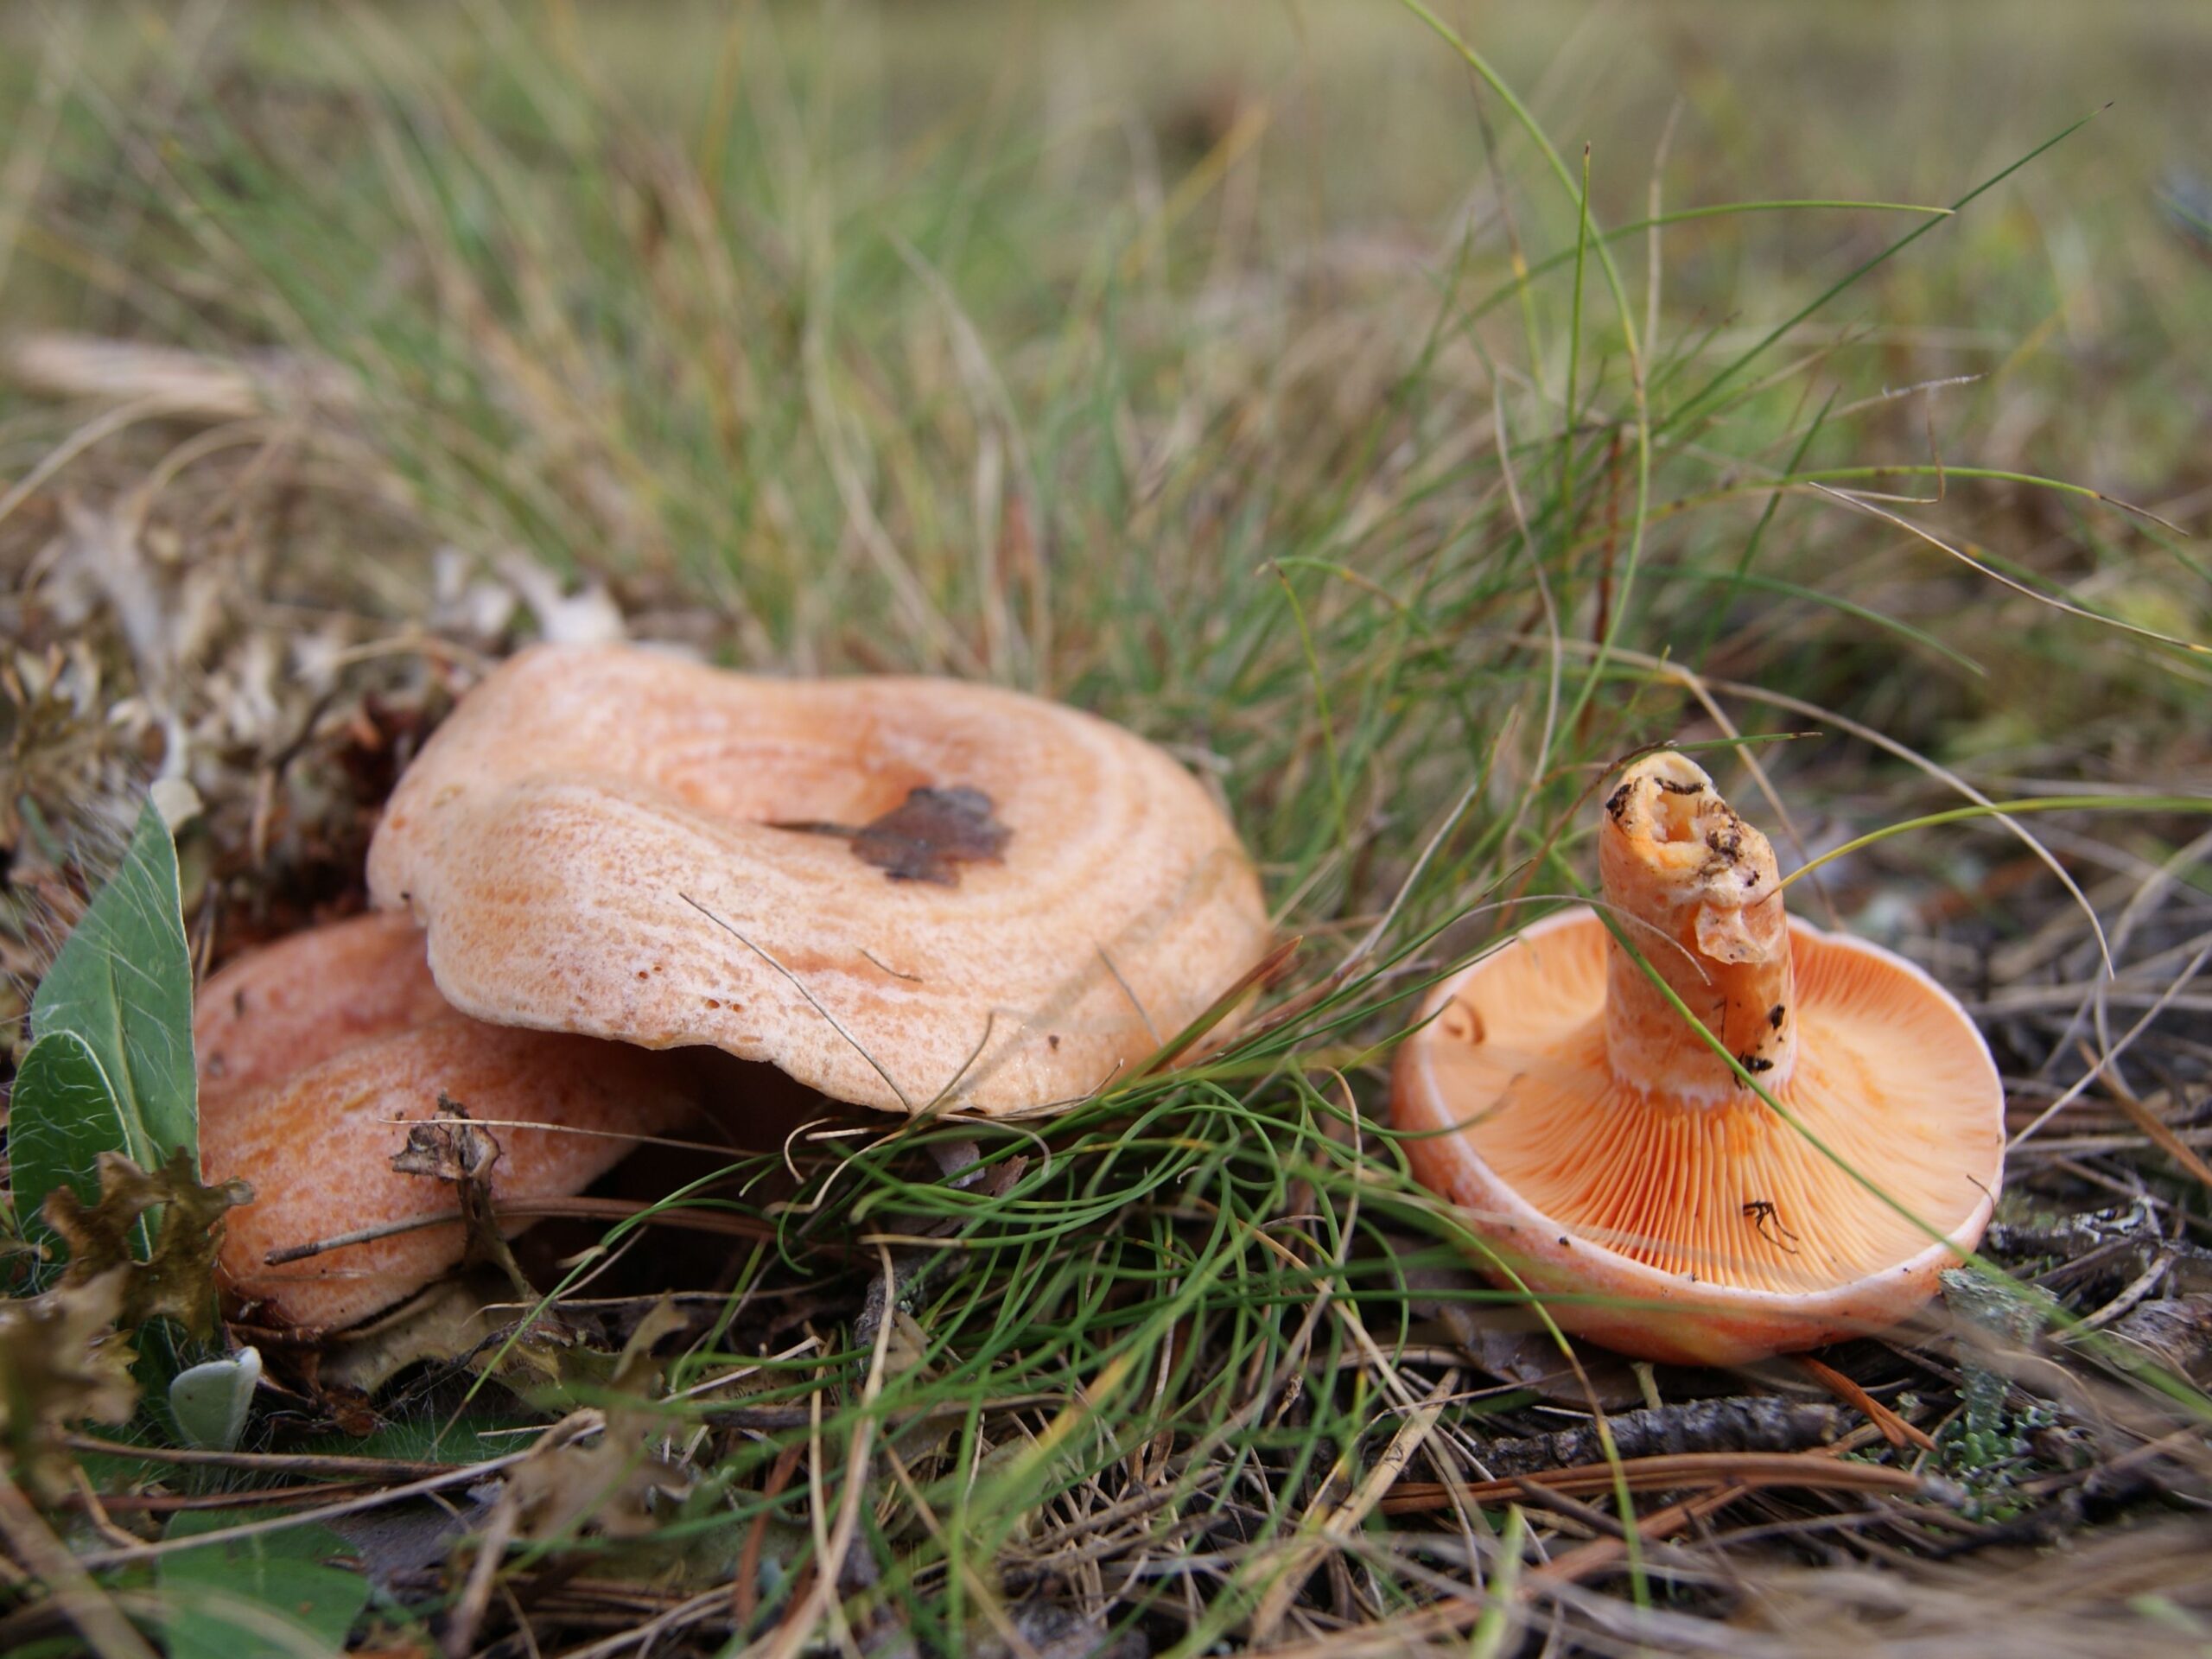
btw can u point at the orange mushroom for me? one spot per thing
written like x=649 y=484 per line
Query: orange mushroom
x=1618 y=1164
x=904 y=894
x=314 y=1053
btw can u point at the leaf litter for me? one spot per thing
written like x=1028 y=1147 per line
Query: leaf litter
x=176 y=1279
x=451 y=1149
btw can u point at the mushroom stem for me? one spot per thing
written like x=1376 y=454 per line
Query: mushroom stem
x=1698 y=892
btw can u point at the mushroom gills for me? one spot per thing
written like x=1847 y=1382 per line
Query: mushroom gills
x=1722 y=1190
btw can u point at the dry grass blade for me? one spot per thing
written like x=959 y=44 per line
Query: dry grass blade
x=580 y=1423
x=2161 y=1133
x=1321 y=1534
x=194 y=385
x=285 y=1463
x=821 y=1599
x=1894 y=1429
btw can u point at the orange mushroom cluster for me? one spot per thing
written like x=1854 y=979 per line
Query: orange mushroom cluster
x=906 y=894
x=1618 y=1164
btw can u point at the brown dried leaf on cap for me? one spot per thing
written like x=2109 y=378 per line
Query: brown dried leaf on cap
x=926 y=837
x=1014 y=903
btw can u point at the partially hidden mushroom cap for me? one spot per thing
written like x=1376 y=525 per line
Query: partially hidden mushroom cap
x=314 y=1055
x=1616 y=1163
x=906 y=893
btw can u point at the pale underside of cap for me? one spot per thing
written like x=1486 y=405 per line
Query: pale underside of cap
x=590 y=841
x=1699 y=1230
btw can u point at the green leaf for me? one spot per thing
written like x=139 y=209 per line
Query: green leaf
x=210 y=1400
x=270 y=1594
x=62 y=1116
x=123 y=987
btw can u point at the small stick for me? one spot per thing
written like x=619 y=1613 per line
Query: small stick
x=1897 y=1432
x=1813 y=1469
x=697 y=1221
x=281 y=1462
x=257 y=1498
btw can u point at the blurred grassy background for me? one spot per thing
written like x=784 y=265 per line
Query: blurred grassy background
x=1364 y=142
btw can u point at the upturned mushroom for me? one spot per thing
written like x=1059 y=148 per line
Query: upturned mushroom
x=1622 y=1169
x=314 y=1056
x=904 y=894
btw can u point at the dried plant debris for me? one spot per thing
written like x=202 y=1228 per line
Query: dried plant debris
x=450 y=1148
x=177 y=1279
x=444 y=1323
x=1512 y=1344
x=66 y=1355
x=62 y=1361
x=613 y=1482
x=2140 y=1593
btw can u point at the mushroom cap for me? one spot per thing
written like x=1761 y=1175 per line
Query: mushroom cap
x=1699 y=1231
x=309 y=1048
x=287 y=1006
x=618 y=842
